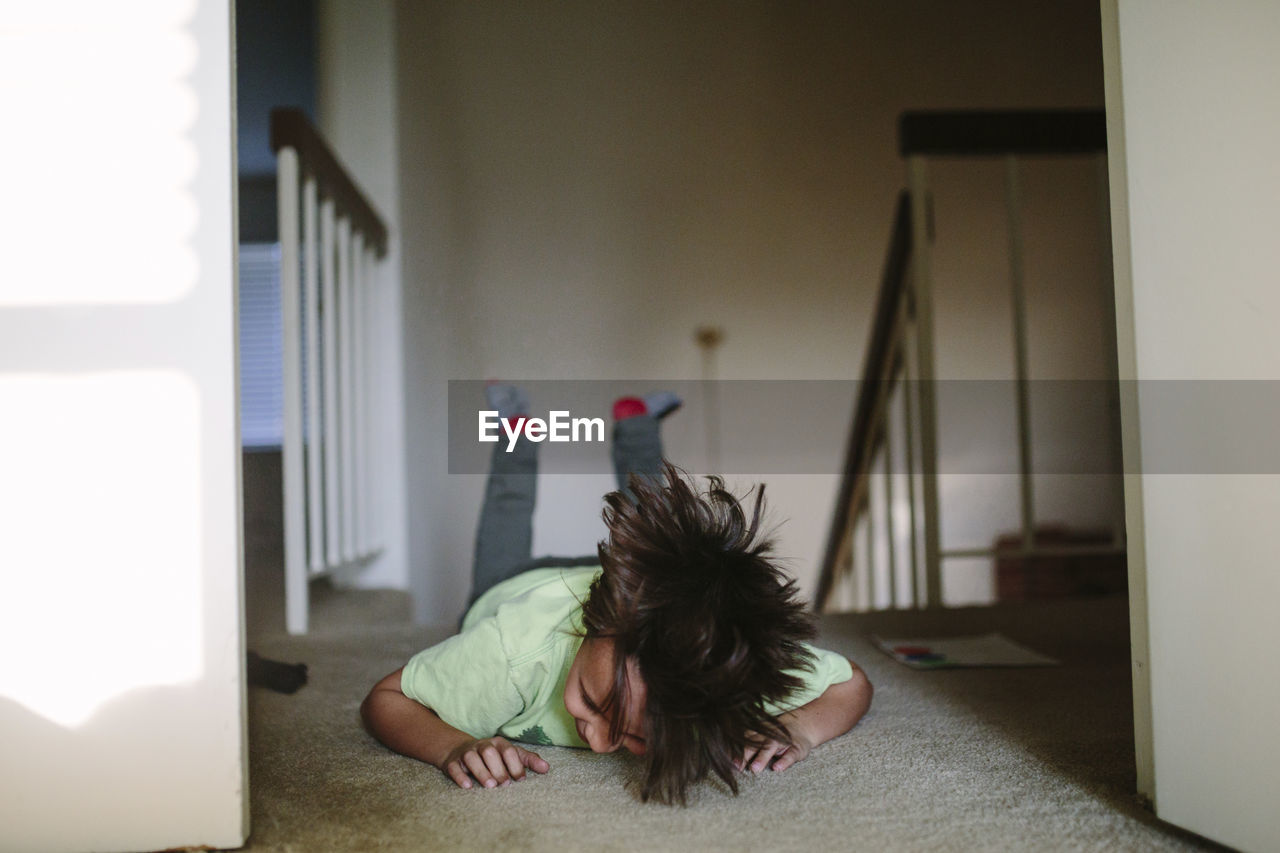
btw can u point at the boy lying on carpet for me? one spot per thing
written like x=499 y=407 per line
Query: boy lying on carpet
x=680 y=642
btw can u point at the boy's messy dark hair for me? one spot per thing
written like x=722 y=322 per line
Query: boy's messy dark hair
x=689 y=593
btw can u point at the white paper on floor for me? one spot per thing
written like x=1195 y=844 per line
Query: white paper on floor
x=944 y=652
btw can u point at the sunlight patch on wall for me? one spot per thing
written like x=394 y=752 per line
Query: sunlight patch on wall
x=116 y=121
x=100 y=526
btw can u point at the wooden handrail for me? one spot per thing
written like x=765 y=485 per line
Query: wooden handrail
x=291 y=129
x=892 y=291
x=994 y=133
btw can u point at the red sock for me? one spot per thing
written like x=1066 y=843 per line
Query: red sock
x=628 y=407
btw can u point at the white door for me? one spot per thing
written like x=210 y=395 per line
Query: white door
x=1193 y=102
x=121 y=675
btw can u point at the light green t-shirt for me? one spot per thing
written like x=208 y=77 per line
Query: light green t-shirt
x=505 y=672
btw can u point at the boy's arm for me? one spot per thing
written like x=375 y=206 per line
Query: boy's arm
x=415 y=730
x=832 y=714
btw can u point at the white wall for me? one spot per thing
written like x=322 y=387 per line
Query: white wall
x=1192 y=89
x=583 y=184
x=121 y=681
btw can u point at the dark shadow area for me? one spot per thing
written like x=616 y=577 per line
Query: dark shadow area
x=1076 y=719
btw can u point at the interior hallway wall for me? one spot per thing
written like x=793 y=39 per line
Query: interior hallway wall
x=583 y=184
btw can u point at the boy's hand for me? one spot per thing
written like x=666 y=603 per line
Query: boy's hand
x=832 y=714
x=758 y=756
x=492 y=761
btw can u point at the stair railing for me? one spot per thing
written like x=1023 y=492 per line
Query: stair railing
x=331 y=243
x=903 y=563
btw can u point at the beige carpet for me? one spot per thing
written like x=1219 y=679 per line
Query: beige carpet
x=1030 y=759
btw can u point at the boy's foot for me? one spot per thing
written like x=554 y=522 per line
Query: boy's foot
x=659 y=404
x=510 y=401
x=662 y=403
x=628 y=407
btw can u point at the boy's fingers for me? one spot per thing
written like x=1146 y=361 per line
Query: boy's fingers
x=457 y=774
x=753 y=746
x=475 y=764
x=493 y=761
x=766 y=754
x=511 y=757
x=785 y=760
x=534 y=761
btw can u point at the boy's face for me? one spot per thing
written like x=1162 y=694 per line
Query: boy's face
x=589 y=682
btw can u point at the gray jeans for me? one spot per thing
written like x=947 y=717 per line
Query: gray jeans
x=504 y=538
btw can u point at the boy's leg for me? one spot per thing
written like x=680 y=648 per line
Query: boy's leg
x=637 y=449
x=637 y=435
x=504 y=536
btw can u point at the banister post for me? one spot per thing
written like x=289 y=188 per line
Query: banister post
x=922 y=291
x=295 y=570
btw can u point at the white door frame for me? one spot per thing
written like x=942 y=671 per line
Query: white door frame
x=122 y=697
x=1193 y=134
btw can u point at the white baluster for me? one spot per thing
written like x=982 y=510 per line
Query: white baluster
x=295 y=576
x=329 y=357
x=345 y=451
x=313 y=429
x=358 y=402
